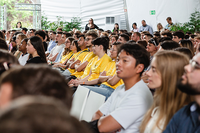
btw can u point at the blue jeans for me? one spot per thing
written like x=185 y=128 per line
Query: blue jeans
x=102 y=89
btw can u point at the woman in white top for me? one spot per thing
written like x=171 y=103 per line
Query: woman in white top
x=167 y=67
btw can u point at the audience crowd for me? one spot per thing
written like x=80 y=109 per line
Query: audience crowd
x=151 y=79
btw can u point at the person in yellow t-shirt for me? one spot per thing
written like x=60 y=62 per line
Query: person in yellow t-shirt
x=108 y=78
x=80 y=67
x=84 y=51
x=66 y=55
x=100 y=62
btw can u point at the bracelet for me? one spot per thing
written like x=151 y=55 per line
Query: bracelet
x=83 y=83
x=51 y=63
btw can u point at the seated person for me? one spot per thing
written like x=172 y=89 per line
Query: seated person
x=84 y=51
x=80 y=67
x=108 y=78
x=99 y=62
x=60 y=45
x=34 y=114
x=66 y=55
x=33 y=80
x=125 y=108
x=24 y=56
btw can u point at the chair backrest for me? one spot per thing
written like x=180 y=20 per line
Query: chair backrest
x=79 y=101
x=93 y=103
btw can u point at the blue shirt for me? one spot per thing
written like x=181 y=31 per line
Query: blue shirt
x=146 y=28
x=186 y=120
x=51 y=45
x=59 y=56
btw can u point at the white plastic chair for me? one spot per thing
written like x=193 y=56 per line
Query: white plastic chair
x=79 y=101
x=93 y=103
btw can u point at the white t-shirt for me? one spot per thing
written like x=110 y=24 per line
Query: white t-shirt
x=128 y=107
x=22 y=59
x=57 y=49
x=152 y=122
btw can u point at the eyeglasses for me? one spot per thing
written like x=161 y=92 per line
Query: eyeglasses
x=194 y=64
x=87 y=39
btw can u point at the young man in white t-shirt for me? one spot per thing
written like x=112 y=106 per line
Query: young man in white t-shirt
x=125 y=108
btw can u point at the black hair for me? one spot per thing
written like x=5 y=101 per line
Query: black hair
x=179 y=34
x=101 y=30
x=25 y=29
x=39 y=47
x=104 y=41
x=3 y=44
x=162 y=39
x=20 y=23
x=138 y=52
x=153 y=41
x=125 y=36
x=54 y=32
x=81 y=35
x=149 y=35
x=40 y=33
x=167 y=33
x=67 y=34
x=76 y=44
x=169 y=45
x=134 y=24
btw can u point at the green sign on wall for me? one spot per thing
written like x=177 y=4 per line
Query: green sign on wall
x=153 y=12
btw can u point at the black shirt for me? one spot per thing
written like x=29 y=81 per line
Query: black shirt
x=35 y=60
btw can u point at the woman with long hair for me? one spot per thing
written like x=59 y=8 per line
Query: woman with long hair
x=36 y=50
x=66 y=55
x=91 y=25
x=160 y=27
x=167 y=67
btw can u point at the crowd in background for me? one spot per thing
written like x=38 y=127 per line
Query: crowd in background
x=146 y=76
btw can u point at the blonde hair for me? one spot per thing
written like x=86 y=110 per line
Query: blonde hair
x=169 y=99
x=160 y=25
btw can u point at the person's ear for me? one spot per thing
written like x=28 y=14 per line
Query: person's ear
x=140 y=68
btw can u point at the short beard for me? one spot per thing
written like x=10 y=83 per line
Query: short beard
x=187 y=88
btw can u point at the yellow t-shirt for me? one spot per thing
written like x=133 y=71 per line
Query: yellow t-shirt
x=65 y=57
x=87 y=58
x=99 y=67
x=80 y=57
x=88 y=67
x=111 y=71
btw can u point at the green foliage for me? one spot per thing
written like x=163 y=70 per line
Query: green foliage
x=192 y=26
x=66 y=26
x=13 y=15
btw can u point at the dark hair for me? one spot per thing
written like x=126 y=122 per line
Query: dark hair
x=40 y=33
x=179 y=34
x=76 y=44
x=81 y=35
x=20 y=23
x=33 y=30
x=53 y=32
x=153 y=41
x=142 y=43
x=185 y=51
x=101 y=30
x=162 y=39
x=169 y=45
x=60 y=28
x=67 y=34
x=115 y=36
x=148 y=35
x=125 y=36
x=38 y=80
x=193 y=36
x=38 y=45
x=7 y=57
x=169 y=18
x=4 y=31
x=167 y=33
x=3 y=44
x=138 y=52
x=67 y=50
x=59 y=33
x=31 y=114
x=104 y=41
x=156 y=33
x=118 y=45
x=25 y=29
x=2 y=35
x=134 y=24
x=137 y=33
x=25 y=39
x=92 y=33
